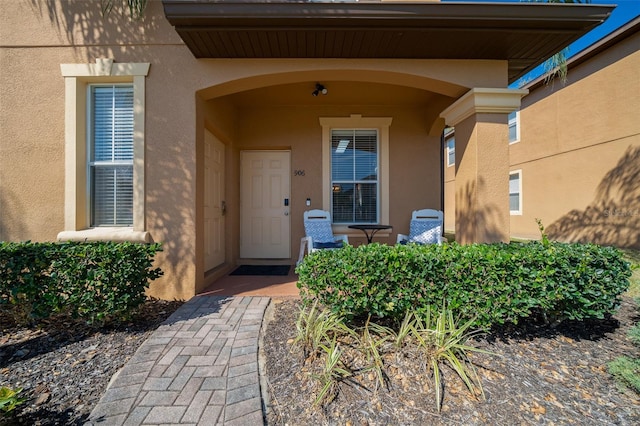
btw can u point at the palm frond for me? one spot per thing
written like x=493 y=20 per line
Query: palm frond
x=136 y=7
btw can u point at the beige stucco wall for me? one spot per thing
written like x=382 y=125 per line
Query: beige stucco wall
x=183 y=96
x=580 y=152
x=414 y=158
x=31 y=146
x=481 y=179
x=36 y=38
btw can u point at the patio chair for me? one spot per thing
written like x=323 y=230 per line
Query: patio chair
x=319 y=235
x=425 y=228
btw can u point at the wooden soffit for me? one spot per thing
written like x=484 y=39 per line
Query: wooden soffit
x=524 y=34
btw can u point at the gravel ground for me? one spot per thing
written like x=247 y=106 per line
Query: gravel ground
x=64 y=366
x=538 y=376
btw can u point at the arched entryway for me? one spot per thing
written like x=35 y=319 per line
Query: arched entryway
x=279 y=110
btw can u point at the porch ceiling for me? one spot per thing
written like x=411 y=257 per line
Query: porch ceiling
x=524 y=34
x=339 y=93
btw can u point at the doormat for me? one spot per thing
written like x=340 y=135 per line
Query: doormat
x=261 y=270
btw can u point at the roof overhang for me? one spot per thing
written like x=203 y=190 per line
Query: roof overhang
x=627 y=30
x=524 y=34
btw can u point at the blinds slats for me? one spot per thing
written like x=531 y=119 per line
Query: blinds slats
x=514 y=192
x=354 y=174
x=514 y=183
x=112 y=123
x=113 y=195
x=112 y=155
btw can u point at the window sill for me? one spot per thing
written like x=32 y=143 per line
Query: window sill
x=118 y=235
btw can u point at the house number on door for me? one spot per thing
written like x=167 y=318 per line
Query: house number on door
x=298 y=172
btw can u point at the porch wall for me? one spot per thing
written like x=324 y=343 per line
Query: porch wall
x=414 y=160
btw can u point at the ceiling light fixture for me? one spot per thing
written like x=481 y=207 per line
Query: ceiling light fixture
x=320 y=89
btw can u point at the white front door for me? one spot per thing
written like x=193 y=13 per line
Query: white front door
x=214 y=208
x=264 y=205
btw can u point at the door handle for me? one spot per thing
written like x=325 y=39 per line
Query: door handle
x=223 y=207
x=286 y=213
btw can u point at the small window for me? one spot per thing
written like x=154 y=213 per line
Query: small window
x=450 y=142
x=111 y=155
x=354 y=176
x=515 y=192
x=514 y=127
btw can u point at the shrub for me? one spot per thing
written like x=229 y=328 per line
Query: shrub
x=634 y=334
x=97 y=281
x=626 y=370
x=9 y=399
x=493 y=283
x=25 y=279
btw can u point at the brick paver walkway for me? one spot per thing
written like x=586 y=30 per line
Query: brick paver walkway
x=200 y=367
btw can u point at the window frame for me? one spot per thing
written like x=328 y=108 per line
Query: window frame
x=356 y=121
x=519 y=211
x=354 y=182
x=450 y=136
x=93 y=165
x=78 y=78
x=515 y=122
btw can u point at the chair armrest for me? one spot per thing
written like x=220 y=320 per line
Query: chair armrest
x=305 y=243
x=344 y=238
x=401 y=238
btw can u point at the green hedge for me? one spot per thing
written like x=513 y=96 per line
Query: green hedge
x=97 y=281
x=494 y=283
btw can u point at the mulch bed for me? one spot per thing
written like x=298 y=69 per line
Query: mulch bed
x=542 y=376
x=64 y=366
x=539 y=375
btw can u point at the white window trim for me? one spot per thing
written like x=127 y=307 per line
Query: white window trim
x=517 y=212
x=517 y=121
x=77 y=78
x=356 y=121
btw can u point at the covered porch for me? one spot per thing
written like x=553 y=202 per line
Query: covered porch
x=406 y=70
x=247 y=213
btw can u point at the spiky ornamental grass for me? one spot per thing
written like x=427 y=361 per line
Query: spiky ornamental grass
x=436 y=338
x=136 y=7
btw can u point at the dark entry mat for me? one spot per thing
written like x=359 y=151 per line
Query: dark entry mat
x=261 y=270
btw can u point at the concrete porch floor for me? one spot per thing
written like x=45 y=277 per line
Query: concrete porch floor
x=255 y=285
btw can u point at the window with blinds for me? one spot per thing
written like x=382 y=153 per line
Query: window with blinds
x=515 y=192
x=514 y=134
x=450 y=140
x=111 y=155
x=354 y=176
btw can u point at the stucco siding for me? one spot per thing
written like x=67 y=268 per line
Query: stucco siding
x=579 y=151
x=414 y=158
x=247 y=104
x=31 y=153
